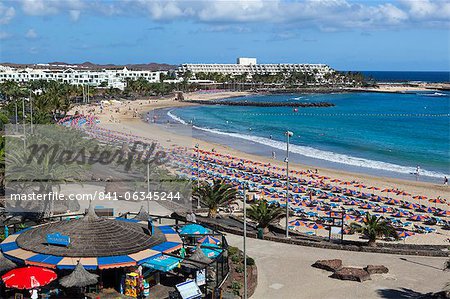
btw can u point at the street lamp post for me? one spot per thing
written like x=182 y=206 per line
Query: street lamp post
x=251 y=191
x=148 y=187
x=198 y=172
x=288 y=135
x=17 y=117
x=245 y=241
x=23 y=121
x=31 y=112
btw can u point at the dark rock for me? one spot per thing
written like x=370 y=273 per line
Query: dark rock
x=376 y=269
x=329 y=265
x=349 y=273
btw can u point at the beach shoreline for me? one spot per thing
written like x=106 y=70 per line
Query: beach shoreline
x=133 y=121
x=131 y=124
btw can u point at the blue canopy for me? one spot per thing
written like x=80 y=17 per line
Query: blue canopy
x=45 y=258
x=162 y=263
x=211 y=253
x=194 y=229
x=8 y=246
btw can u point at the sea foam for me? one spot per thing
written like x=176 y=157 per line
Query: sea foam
x=319 y=154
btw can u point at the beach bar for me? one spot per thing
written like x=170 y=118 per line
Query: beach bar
x=135 y=255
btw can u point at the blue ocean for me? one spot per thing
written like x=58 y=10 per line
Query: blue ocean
x=393 y=76
x=376 y=133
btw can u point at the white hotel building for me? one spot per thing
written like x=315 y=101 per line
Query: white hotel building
x=112 y=78
x=250 y=67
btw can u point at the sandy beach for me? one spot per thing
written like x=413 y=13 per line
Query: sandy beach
x=128 y=118
x=400 y=88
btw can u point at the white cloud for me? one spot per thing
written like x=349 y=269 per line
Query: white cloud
x=31 y=34
x=51 y=7
x=38 y=7
x=329 y=15
x=74 y=14
x=6 y=13
x=4 y=35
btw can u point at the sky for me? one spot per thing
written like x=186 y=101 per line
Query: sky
x=404 y=35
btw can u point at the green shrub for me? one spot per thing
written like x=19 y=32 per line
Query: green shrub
x=236 y=285
x=236 y=259
x=240 y=268
x=250 y=261
x=232 y=250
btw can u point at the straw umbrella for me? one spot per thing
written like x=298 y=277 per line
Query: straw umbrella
x=142 y=215
x=6 y=264
x=197 y=260
x=79 y=277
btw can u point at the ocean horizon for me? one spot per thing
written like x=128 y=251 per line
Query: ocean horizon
x=408 y=76
x=376 y=133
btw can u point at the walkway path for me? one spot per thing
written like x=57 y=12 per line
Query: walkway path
x=284 y=271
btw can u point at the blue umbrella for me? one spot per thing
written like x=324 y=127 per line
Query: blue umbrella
x=212 y=251
x=194 y=229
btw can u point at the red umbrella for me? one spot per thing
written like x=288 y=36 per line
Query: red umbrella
x=28 y=277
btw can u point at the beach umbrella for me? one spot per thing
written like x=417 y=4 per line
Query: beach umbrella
x=411 y=206
x=335 y=180
x=392 y=201
x=418 y=217
x=209 y=240
x=28 y=277
x=316 y=226
x=347 y=183
x=420 y=197
x=348 y=217
x=6 y=264
x=194 y=229
x=359 y=186
x=382 y=209
x=376 y=198
x=400 y=214
x=405 y=234
x=297 y=223
x=403 y=193
x=372 y=188
x=211 y=250
x=367 y=206
x=79 y=277
x=445 y=213
x=437 y=201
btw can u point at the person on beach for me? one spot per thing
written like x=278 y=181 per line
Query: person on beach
x=445 y=181
x=273 y=155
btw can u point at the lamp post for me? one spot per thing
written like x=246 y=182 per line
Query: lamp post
x=17 y=117
x=288 y=135
x=250 y=189
x=23 y=121
x=245 y=240
x=31 y=112
x=198 y=173
x=148 y=187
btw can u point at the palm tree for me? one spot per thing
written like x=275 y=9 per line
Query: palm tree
x=264 y=214
x=374 y=227
x=214 y=196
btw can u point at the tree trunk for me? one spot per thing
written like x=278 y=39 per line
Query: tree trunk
x=371 y=243
x=212 y=213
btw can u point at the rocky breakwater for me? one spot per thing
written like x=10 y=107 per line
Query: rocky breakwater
x=263 y=104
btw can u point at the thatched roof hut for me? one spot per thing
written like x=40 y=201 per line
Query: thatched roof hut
x=6 y=264
x=79 y=277
x=142 y=215
x=197 y=260
x=91 y=236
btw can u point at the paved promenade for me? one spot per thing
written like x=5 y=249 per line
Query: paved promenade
x=284 y=271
